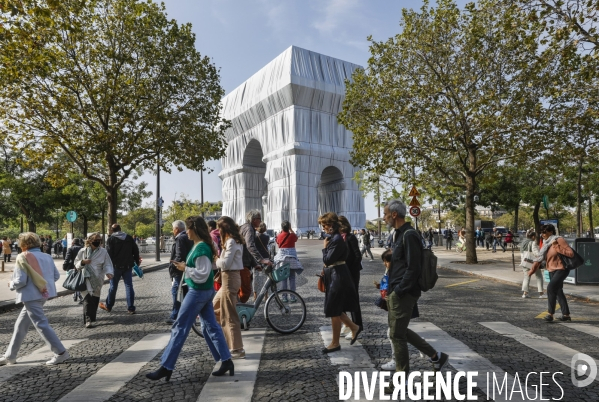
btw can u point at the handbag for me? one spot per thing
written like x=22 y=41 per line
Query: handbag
x=528 y=257
x=572 y=262
x=75 y=281
x=138 y=271
x=320 y=284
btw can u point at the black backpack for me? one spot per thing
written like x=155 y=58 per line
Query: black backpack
x=428 y=274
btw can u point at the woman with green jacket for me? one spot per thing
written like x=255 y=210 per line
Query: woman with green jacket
x=199 y=277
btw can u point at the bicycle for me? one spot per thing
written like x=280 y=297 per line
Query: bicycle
x=285 y=310
x=281 y=313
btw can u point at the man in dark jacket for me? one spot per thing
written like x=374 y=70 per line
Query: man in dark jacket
x=406 y=267
x=181 y=247
x=69 y=263
x=124 y=253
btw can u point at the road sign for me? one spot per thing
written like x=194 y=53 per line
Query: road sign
x=414 y=192
x=414 y=202
x=414 y=211
x=71 y=216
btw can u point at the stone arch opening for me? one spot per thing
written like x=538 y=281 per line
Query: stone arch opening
x=330 y=191
x=256 y=186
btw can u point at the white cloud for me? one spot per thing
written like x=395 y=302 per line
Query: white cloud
x=335 y=14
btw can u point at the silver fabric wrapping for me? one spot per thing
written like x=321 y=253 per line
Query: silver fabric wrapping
x=287 y=155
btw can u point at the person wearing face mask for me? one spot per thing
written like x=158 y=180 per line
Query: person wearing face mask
x=97 y=263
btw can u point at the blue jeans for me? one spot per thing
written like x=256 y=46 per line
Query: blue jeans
x=194 y=303
x=495 y=243
x=174 y=290
x=289 y=283
x=127 y=275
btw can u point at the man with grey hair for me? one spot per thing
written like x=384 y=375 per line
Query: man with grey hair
x=404 y=291
x=248 y=230
x=179 y=251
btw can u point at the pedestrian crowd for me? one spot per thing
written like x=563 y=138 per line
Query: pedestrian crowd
x=216 y=264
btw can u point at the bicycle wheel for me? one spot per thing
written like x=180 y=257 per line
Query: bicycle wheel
x=283 y=314
x=197 y=327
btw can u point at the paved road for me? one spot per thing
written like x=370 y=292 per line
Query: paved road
x=479 y=323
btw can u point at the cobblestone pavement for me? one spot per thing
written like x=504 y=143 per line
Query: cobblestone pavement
x=292 y=367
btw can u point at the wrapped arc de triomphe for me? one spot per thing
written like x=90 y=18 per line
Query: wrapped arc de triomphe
x=287 y=155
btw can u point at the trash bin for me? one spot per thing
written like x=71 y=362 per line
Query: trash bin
x=588 y=273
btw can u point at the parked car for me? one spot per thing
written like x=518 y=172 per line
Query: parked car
x=151 y=240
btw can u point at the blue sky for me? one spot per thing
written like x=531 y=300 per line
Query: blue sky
x=241 y=36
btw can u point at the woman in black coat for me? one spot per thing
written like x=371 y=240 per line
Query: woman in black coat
x=353 y=262
x=340 y=292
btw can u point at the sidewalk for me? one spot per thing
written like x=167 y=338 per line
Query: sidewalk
x=7 y=297
x=498 y=266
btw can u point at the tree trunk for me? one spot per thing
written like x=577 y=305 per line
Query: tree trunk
x=31 y=225
x=591 y=227
x=579 y=200
x=470 y=240
x=111 y=198
x=516 y=210
x=537 y=220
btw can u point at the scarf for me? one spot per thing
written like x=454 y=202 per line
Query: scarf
x=546 y=244
x=27 y=262
x=95 y=282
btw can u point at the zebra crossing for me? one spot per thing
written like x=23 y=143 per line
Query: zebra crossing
x=115 y=375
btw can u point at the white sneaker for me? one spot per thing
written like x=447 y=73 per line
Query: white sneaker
x=4 y=361
x=389 y=366
x=57 y=359
x=349 y=336
x=345 y=330
x=525 y=296
x=543 y=296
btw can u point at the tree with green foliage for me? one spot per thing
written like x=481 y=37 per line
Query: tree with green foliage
x=453 y=94
x=113 y=84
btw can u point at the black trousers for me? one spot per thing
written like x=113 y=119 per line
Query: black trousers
x=90 y=308
x=356 y=316
x=555 y=291
x=6 y=257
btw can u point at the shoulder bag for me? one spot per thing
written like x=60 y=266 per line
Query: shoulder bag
x=572 y=262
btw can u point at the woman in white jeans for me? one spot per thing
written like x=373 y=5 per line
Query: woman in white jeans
x=529 y=250
x=33 y=279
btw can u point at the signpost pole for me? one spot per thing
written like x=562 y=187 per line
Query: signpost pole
x=157 y=210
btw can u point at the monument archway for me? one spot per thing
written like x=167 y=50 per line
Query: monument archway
x=256 y=187
x=330 y=191
x=287 y=155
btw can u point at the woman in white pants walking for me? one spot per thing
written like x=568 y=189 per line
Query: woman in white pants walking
x=33 y=279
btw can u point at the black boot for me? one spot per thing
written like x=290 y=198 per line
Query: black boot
x=158 y=374
x=225 y=366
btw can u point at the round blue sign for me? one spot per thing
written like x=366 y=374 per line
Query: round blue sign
x=71 y=216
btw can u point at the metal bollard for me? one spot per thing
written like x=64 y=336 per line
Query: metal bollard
x=2 y=266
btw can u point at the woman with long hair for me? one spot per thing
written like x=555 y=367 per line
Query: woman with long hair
x=553 y=246
x=230 y=264
x=96 y=263
x=340 y=292
x=199 y=277
x=286 y=241
x=354 y=264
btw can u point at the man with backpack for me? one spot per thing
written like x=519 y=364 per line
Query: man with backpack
x=366 y=237
x=124 y=253
x=405 y=290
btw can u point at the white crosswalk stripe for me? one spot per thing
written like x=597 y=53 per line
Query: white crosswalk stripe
x=239 y=387
x=586 y=328
x=35 y=358
x=541 y=344
x=462 y=358
x=114 y=375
